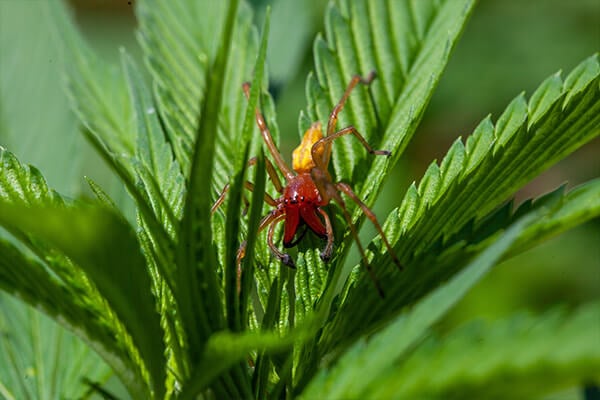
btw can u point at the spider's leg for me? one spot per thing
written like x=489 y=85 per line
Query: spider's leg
x=332 y=192
x=271 y=171
x=356 y=79
x=326 y=253
x=325 y=147
x=248 y=185
x=321 y=156
x=266 y=134
x=268 y=219
x=345 y=188
x=284 y=257
x=268 y=199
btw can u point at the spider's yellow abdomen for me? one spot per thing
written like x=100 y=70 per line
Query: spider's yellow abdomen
x=302 y=159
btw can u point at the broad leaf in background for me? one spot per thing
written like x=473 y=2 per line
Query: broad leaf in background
x=39 y=359
x=34 y=123
x=524 y=356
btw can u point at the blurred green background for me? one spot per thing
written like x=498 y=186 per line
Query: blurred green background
x=509 y=46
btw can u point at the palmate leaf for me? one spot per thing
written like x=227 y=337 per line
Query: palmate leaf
x=471 y=182
x=408 y=44
x=59 y=287
x=113 y=106
x=178 y=42
x=365 y=361
x=106 y=248
x=523 y=356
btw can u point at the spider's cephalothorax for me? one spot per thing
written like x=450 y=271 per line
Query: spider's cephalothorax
x=309 y=187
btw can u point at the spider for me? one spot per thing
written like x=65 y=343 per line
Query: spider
x=309 y=187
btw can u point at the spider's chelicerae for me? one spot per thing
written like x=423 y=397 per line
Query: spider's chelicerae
x=309 y=186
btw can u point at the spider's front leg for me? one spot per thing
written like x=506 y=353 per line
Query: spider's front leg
x=283 y=257
x=328 y=250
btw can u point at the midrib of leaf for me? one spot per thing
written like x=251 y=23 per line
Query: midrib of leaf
x=197 y=284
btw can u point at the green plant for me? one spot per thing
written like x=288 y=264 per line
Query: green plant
x=156 y=298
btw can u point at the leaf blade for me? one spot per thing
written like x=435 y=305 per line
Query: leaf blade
x=344 y=380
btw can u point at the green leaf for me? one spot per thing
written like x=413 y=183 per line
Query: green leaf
x=179 y=47
x=518 y=153
x=39 y=359
x=198 y=291
x=77 y=306
x=110 y=114
x=515 y=357
x=366 y=360
x=224 y=349
x=232 y=275
x=23 y=184
x=497 y=162
x=408 y=45
x=106 y=248
x=158 y=171
x=96 y=89
x=577 y=206
x=59 y=287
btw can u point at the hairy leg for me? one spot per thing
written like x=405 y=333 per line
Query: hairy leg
x=249 y=186
x=320 y=146
x=266 y=134
x=326 y=253
x=345 y=188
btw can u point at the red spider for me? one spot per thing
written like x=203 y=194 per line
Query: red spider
x=309 y=186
